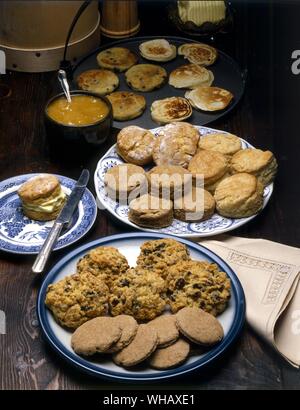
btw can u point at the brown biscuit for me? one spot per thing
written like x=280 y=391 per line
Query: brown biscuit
x=166 y=329
x=197 y=205
x=141 y=347
x=199 y=326
x=134 y=145
x=95 y=336
x=170 y=356
x=129 y=328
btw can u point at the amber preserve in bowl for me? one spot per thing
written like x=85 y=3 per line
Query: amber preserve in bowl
x=84 y=122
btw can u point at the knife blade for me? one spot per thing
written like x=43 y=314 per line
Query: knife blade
x=63 y=218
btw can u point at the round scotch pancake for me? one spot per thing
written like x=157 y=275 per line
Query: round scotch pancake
x=209 y=98
x=146 y=77
x=126 y=105
x=171 y=109
x=191 y=76
x=198 y=53
x=158 y=50
x=98 y=81
x=117 y=58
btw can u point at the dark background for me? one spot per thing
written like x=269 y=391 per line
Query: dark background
x=264 y=36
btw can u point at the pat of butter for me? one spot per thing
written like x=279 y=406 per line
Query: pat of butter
x=48 y=206
x=200 y=12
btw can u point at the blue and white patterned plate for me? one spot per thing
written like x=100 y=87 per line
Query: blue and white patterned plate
x=19 y=234
x=216 y=225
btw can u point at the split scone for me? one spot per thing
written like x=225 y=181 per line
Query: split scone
x=126 y=105
x=42 y=197
x=151 y=212
x=146 y=77
x=160 y=254
x=196 y=206
x=198 y=53
x=209 y=98
x=191 y=76
x=198 y=284
x=124 y=180
x=158 y=50
x=176 y=144
x=105 y=262
x=135 y=144
x=209 y=167
x=169 y=181
x=116 y=58
x=138 y=293
x=226 y=144
x=260 y=163
x=76 y=299
x=170 y=110
x=239 y=196
x=98 y=81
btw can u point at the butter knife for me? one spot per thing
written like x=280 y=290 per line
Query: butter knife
x=63 y=218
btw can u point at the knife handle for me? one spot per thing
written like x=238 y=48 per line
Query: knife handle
x=46 y=249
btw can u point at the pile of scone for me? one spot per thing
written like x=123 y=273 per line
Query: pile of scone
x=193 y=76
x=233 y=178
x=164 y=278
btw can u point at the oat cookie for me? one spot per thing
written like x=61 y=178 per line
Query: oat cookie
x=171 y=356
x=159 y=255
x=138 y=293
x=129 y=328
x=76 y=299
x=141 y=347
x=166 y=329
x=198 y=284
x=105 y=262
x=176 y=144
x=199 y=326
x=135 y=144
x=95 y=336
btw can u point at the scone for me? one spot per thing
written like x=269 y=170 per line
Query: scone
x=151 y=212
x=170 y=110
x=176 y=144
x=191 y=76
x=146 y=77
x=239 y=196
x=126 y=105
x=42 y=197
x=196 y=206
x=209 y=167
x=198 y=53
x=198 y=284
x=98 y=81
x=226 y=144
x=105 y=262
x=209 y=98
x=260 y=163
x=160 y=254
x=124 y=181
x=135 y=144
x=169 y=181
x=76 y=299
x=116 y=58
x=138 y=293
x=158 y=50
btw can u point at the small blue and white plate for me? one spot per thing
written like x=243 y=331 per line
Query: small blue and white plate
x=19 y=234
x=232 y=319
x=216 y=225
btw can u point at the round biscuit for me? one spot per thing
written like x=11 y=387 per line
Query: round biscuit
x=171 y=356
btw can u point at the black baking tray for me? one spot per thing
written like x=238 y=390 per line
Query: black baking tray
x=227 y=74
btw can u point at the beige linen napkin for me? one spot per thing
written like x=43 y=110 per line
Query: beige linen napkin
x=269 y=273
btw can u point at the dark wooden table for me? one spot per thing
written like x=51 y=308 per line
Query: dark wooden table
x=267 y=117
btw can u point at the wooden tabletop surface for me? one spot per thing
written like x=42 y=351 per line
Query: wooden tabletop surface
x=264 y=117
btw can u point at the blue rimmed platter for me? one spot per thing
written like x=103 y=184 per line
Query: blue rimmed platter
x=19 y=234
x=216 y=225
x=128 y=244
